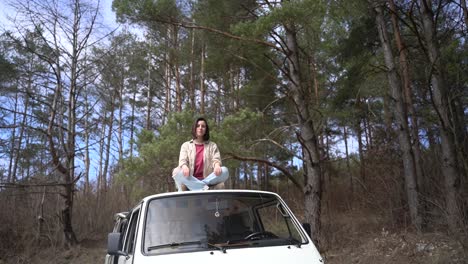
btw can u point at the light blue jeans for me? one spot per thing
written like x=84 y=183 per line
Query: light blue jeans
x=195 y=184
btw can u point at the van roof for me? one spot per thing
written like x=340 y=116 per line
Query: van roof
x=174 y=194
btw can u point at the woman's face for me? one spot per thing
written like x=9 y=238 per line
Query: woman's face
x=201 y=129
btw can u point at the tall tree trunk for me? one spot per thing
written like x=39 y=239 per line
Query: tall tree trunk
x=87 y=160
x=149 y=97
x=408 y=96
x=202 y=81
x=102 y=180
x=400 y=119
x=175 y=62
x=11 y=178
x=168 y=80
x=108 y=143
x=238 y=88
x=23 y=123
x=266 y=176
x=306 y=135
x=235 y=178
x=251 y=176
x=70 y=238
x=362 y=156
x=465 y=13
x=132 y=123
x=246 y=177
x=120 y=122
x=219 y=102
x=86 y=132
x=192 y=72
x=367 y=134
x=67 y=211
x=260 y=176
x=315 y=84
x=348 y=165
x=440 y=94
x=232 y=91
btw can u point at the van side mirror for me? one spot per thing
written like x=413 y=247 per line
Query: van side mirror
x=113 y=245
x=307 y=228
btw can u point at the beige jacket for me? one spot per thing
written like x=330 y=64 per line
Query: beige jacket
x=210 y=158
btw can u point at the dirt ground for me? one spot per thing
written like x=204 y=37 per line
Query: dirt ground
x=383 y=247
x=388 y=247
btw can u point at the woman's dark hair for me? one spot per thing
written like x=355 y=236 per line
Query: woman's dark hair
x=206 y=137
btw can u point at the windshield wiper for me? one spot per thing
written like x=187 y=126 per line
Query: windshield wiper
x=174 y=244
x=221 y=248
x=294 y=241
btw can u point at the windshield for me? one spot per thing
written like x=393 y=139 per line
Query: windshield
x=217 y=221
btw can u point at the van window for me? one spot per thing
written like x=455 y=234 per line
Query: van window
x=275 y=219
x=205 y=221
x=129 y=244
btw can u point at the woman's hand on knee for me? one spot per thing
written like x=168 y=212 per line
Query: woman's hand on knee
x=185 y=170
x=217 y=169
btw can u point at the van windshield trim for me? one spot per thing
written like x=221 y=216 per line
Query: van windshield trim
x=209 y=213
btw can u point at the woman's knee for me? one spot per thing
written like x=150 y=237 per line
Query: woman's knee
x=224 y=170
x=176 y=170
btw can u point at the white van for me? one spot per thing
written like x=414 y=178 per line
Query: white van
x=218 y=226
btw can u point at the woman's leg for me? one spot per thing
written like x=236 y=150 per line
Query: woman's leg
x=190 y=182
x=212 y=179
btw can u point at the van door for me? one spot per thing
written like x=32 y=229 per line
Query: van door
x=130 y=238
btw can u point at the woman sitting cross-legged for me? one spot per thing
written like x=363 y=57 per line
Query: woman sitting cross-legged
x=200 y=162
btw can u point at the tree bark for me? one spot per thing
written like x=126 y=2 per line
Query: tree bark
x=11 y=178
x=306 y=135
x=101 y=181
x=87 y=160
x=408 y=96
x=67 y=211
x=108 y=142
x=362 y=155
x=132 y=124
x=175 y=62
x=192 y=72
x=440 y=95
x=400 y=120
x=348 y=165
x=202 y=81
x=267 y=176
x=167 y=79
x=149 y=97
x=465 y=13
x=120 y=123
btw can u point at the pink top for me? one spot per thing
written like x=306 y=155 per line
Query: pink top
x=198 y=172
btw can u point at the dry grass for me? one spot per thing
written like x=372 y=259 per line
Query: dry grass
x=85 y=253
x=399 y=247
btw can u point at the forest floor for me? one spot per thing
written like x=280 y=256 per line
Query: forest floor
x=382 y=247
x=402 y=247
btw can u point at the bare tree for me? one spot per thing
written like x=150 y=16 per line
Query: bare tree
x=65 y=27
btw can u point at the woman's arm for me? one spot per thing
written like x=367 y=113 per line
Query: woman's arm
x=215 y=159
x=184 y=158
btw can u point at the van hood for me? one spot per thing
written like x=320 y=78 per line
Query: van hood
x=271 y=255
